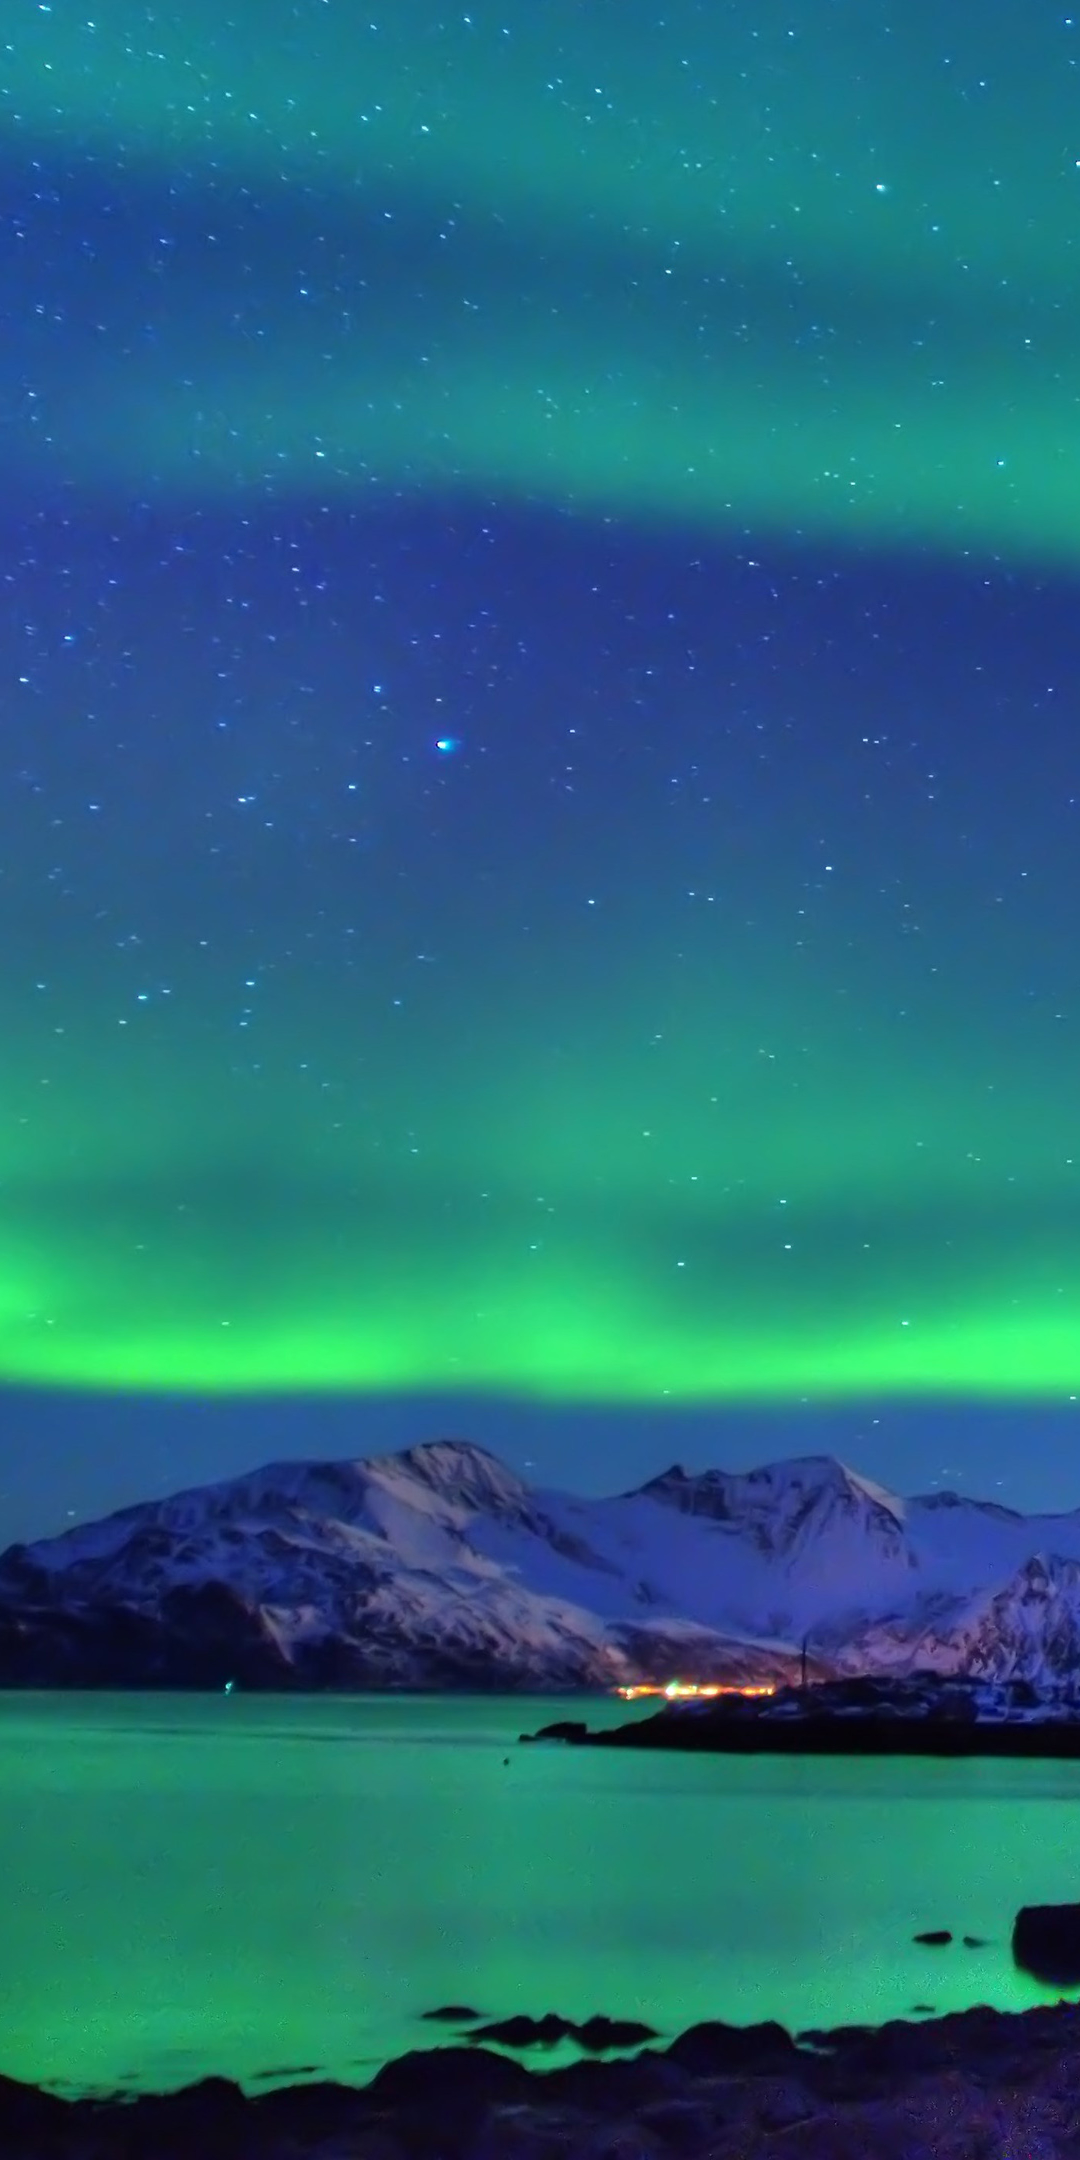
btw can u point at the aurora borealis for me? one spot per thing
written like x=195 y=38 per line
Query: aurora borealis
x=540 y=772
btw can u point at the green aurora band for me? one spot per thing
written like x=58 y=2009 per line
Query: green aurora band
x=749 y=1221
x=724 y=1229
x=677 y=276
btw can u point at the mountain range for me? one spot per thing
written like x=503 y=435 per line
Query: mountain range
x=440 y=1567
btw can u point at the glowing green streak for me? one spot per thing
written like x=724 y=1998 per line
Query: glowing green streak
x=701 y=295
x=728 y=1225
x=696 y=134
x=674 y=312
x=566 y=1343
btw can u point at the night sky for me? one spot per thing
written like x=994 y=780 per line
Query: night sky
x=539 y=751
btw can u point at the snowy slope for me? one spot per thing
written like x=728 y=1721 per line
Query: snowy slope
x=440 y=1566
x=1026 y=1629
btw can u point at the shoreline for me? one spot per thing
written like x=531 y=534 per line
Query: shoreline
x=922 y=1714
x=939 y=2089
x=680 y=1733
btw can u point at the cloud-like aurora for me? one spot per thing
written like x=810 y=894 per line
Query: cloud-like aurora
x=673 y=279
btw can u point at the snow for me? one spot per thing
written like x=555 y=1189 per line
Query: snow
x=877 y=1493
x=443 y=1544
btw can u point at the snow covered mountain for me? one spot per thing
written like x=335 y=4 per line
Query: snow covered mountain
x=440 y=1567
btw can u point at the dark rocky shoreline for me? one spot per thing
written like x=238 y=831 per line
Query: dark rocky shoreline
x=979 y=2085
x=924 y=1714
x=823 y=1736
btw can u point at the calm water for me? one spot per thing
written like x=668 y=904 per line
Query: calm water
x=238 y=1884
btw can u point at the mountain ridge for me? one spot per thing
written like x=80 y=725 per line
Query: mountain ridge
x=440 y=1565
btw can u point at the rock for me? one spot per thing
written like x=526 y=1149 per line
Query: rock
x=572 y=1729
x=213 y=2118
x=712 y=2048
x=595 y=2035
x=526 y=2032
x=605 y=2032
x=972 y=2086
x=993 y=2049
x=369 y=2142
x=620 y=2087
x=287 y=2070
x=306 y=2112
x=621 y=2141
x=827 y=2040
x=874 y=2133
x=27 y=2113
x=217 y=2096
x=684 y=2127
x=1046 y=1943
x=865 y=2064
x=529 y=2133
x=956 y=2117
x=449 y=2077
x=712 y=2108
x=450 y=2014
x=769 y=2102
x=936 y=1938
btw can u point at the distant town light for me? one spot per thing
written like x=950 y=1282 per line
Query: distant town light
x=676 y=1690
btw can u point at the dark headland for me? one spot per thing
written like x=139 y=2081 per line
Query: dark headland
x=964 y=2087
x=921 y=1715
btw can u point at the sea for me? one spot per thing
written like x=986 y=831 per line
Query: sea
x=273 y=1889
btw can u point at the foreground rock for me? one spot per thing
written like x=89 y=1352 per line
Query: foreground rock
x=1046 y=1943
x=978 y=2086
x=596 y=2035
x=922 y=1715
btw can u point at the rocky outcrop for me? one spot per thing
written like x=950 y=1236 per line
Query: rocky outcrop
x=201 y=1637
x=1046 y=1943
x=595 y=2036
x=969 y=2087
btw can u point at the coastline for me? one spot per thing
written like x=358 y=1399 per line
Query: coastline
x=676 y=1732
x=950 y=2088
x=921 y=1714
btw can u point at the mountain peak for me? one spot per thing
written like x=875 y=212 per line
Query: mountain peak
x=879 y=1495
x=436 y=1566
x=793 y=1479
x=823 y=1470
x=457 y=1470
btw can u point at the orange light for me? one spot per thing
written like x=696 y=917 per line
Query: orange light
x=678 y=1690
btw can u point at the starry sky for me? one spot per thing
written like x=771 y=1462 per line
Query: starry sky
x=539 y=753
